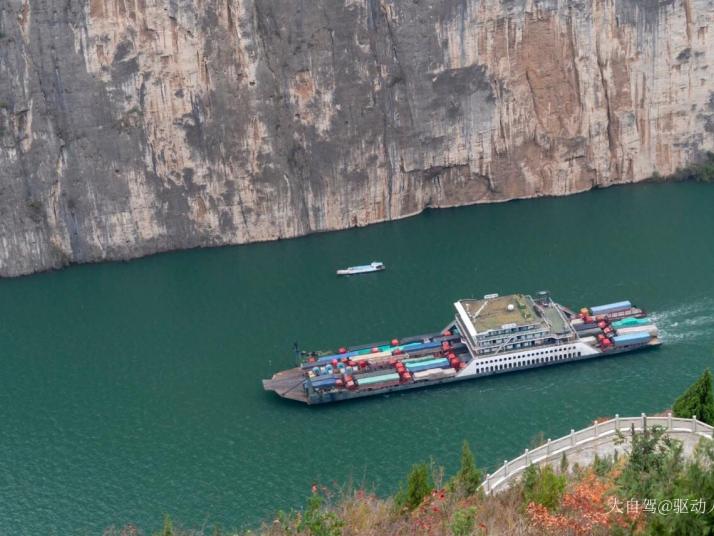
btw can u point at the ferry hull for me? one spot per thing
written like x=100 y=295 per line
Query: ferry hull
x=298 y=393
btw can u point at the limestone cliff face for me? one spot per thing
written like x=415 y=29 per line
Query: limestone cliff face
x=134 y=126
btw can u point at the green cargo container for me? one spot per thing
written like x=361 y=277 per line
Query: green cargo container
x=394 y=377
x=369 y=350
x=416 y=360
x=631 y=322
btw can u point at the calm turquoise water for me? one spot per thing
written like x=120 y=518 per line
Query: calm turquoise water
x=133 y=389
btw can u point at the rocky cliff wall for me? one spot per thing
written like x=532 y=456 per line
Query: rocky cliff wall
x=134 y=126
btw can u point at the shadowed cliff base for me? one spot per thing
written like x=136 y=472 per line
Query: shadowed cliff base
x=702 y=171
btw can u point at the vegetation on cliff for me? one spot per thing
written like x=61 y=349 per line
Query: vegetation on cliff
x=697 y=400
x=700 y=171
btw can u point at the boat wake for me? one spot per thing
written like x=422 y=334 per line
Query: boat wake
x=693 y=322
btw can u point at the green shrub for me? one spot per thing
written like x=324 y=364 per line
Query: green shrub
x=463 y=522
x=419 y=485
x=602 y=466
x=701 y=171
x=692 y=481
x=563 y=463
x=318 y=521
x=468 y=478
x=654 y=460
x=697 y=400
x=543 y=486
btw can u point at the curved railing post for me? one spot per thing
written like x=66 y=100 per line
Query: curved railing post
x=572 y=437
x=526 y=455
x=547 y=449
x=694 y=424
x=644 y=422
x=505 y=468
x=617 y=422
x=669 y=420
x=596 y=428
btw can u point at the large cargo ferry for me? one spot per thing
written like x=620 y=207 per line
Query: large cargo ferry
x=492 y=335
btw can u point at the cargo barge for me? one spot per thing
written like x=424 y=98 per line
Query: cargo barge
x=488 y=336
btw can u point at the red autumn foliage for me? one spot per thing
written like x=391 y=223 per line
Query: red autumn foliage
x=584 y=510
x=431 y=518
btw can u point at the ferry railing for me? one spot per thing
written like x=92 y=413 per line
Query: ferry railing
x=553 y=450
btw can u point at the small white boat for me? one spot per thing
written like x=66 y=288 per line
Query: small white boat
x=364 y=269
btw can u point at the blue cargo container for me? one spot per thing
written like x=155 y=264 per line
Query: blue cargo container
x=610 y=307
x=638 y=337
x=415 y=363
x=424 y=346
x=585 y=326
x=324 y=382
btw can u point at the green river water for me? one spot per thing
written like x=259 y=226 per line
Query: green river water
x=133 y=389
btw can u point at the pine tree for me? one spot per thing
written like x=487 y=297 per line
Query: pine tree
x=468 y=479
x=168 y=528
x=697 y=400
x=542 y=485
x=419 y=485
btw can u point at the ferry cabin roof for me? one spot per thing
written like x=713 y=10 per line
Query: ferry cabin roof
x=499 y=323
x=495 y=313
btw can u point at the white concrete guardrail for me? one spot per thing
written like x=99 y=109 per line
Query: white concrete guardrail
x=598 y=439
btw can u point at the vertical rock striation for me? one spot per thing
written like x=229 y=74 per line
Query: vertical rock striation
x=134 y=126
